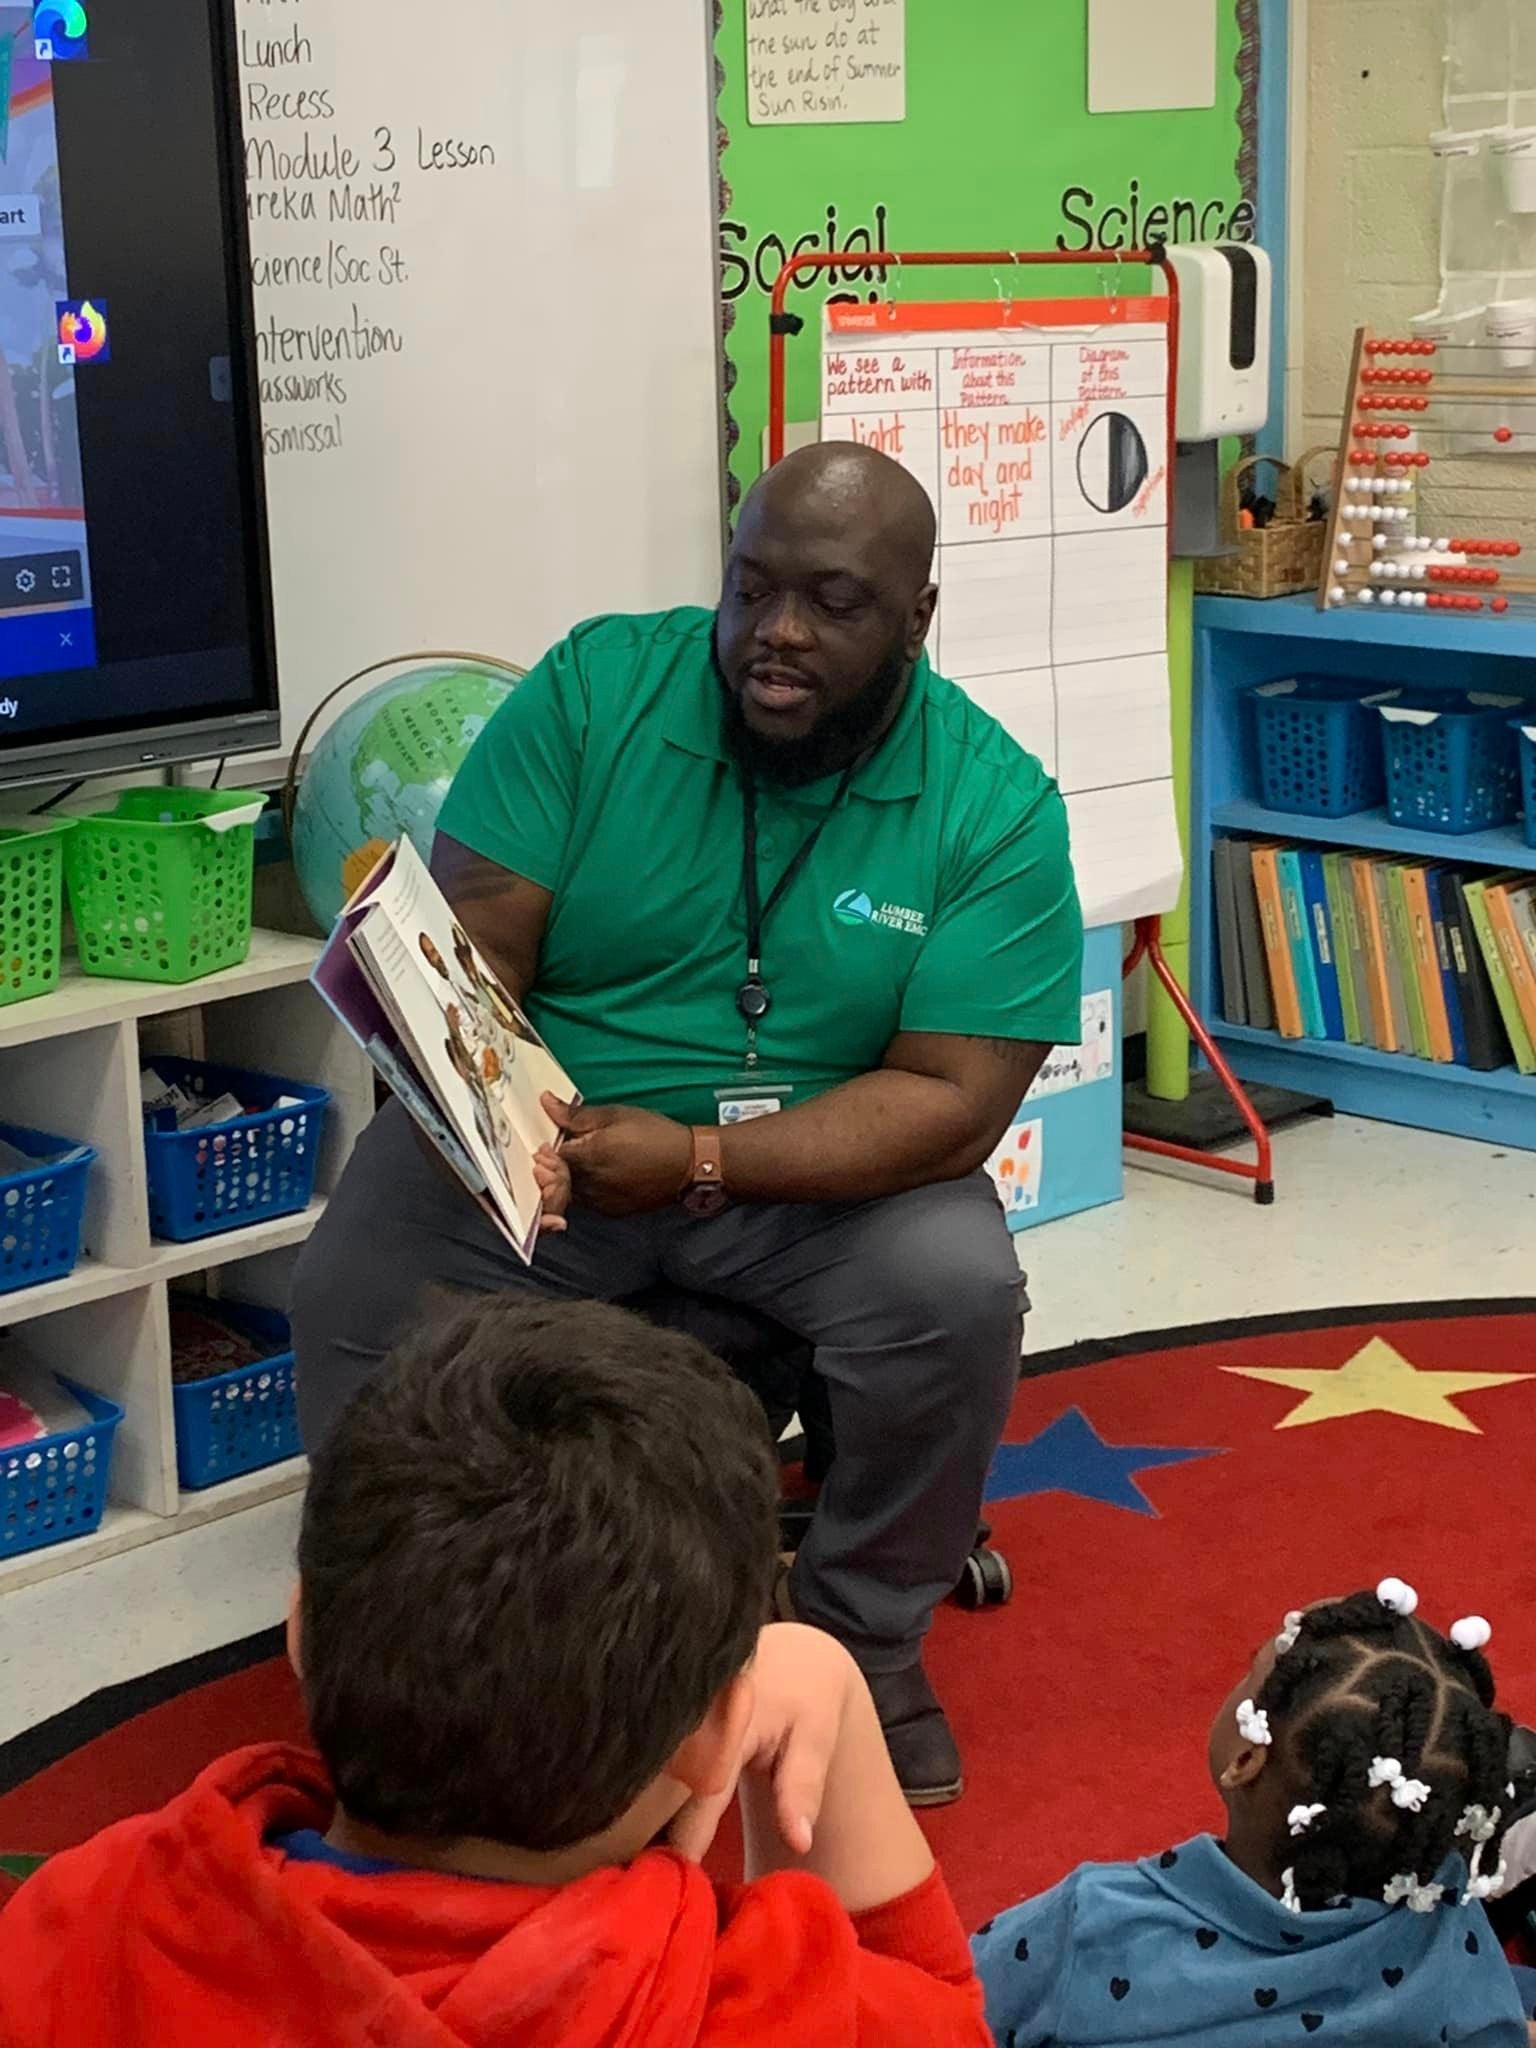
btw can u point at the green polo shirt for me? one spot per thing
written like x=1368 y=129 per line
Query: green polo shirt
x=939 y=897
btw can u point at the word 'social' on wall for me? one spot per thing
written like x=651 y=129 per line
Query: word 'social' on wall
x=1127 y=220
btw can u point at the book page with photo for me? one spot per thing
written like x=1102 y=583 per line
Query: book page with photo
x=483 y=1062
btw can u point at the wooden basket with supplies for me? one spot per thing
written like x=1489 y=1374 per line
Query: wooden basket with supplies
x=1279 y=558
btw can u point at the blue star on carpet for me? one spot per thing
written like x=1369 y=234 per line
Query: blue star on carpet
x=1069 y=1456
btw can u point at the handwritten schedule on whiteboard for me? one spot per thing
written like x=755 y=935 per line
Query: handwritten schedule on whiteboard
x=443 y=214
x=814 y=61
x=334 y=187
x=1040 y=432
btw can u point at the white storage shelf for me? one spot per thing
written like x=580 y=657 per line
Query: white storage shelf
x=69 y=1062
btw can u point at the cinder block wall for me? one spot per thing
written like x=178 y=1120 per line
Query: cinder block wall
x=1372 y=231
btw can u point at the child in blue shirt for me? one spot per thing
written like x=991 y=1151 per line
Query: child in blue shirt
x=1363 y=1768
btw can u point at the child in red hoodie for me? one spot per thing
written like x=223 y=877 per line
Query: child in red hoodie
x=534 y=1566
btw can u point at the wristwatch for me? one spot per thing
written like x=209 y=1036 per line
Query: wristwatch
x=704 y=1191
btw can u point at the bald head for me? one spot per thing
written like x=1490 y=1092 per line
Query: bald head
x=844 y=485
x=826 y=606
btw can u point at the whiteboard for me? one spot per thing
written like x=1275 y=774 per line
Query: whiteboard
x=483 y=256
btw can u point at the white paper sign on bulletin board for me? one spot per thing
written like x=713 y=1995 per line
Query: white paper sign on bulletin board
x=826 y=61
x=1039 y=428
x=1151 y=55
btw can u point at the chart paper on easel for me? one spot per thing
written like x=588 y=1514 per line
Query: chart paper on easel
x=1040 y=431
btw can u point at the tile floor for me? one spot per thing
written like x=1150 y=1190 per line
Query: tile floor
x=1367 y=1212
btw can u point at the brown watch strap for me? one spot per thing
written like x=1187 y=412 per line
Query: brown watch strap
x=707 y=1167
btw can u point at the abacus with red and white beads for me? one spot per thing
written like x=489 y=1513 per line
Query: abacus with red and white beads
x=1375 y=554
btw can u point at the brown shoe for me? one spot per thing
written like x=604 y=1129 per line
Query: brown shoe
x=919 y=1737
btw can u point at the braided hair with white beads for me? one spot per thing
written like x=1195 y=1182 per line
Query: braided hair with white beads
x=1388 y=1733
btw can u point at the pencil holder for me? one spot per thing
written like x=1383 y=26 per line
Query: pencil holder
x=1270 y=561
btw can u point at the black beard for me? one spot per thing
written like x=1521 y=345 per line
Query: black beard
x=832 y=744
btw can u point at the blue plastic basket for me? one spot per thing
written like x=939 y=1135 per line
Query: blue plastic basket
x=1319 y=745
x=255 y=1166
x=1452 y=762
x=41 y=1209
x=239 y=1421
x=56 y=1487
x=1525 y=740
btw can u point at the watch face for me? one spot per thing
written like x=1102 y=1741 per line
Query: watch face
x=705 y=1199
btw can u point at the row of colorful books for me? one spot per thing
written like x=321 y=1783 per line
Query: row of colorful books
x=1407 y=956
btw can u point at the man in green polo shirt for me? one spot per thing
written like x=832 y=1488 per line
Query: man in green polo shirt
x=799 y=919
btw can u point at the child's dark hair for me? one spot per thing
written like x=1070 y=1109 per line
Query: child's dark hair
x=1362 y=1682
x=533 y=1551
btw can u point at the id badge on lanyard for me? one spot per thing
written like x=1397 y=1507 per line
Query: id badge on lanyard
x=755 y=1094
x=751 y=1095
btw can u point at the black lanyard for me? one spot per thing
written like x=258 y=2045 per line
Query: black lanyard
x=754 y=999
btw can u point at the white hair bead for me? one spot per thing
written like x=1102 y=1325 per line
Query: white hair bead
x=1471 y=1633
x=1397 y=1596
x=1253 y=1724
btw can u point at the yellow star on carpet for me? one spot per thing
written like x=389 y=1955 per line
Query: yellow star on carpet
x=1378 y=1379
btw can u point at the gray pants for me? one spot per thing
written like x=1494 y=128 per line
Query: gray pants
x=913 y=1305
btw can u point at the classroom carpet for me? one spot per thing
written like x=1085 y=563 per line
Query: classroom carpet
x=1162 y=1501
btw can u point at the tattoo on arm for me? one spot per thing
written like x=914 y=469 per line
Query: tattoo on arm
x=471 y=878
x=1013 y=1050
x=484 y=883
x=503 y=912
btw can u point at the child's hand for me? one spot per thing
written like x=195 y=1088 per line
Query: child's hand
x=803 y=1681
x=554 y=1182
x=817 y=1788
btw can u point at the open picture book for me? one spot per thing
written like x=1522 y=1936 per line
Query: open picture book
x=430 y=1012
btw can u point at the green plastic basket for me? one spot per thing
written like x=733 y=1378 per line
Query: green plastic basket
x=31 y=906
x=159 y=889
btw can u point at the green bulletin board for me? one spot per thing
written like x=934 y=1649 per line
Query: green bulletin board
x=998 y=149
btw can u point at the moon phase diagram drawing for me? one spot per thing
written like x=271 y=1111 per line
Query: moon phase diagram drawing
x=1111 y=462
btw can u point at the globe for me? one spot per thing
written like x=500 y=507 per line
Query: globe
x=382 y=769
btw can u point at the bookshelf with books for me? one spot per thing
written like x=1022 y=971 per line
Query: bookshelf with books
x=1388 y=968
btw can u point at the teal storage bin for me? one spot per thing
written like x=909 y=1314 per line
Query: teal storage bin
x=1525 y=740
x=1452 y=761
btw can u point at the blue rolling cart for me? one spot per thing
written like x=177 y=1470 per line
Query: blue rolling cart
x=1240 y=642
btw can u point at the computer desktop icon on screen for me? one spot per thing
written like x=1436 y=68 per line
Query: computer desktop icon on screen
x=60 y=32
x=83 y=336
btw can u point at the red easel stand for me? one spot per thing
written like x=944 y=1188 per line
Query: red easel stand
x=1148 y=945
x=1260 y=1171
